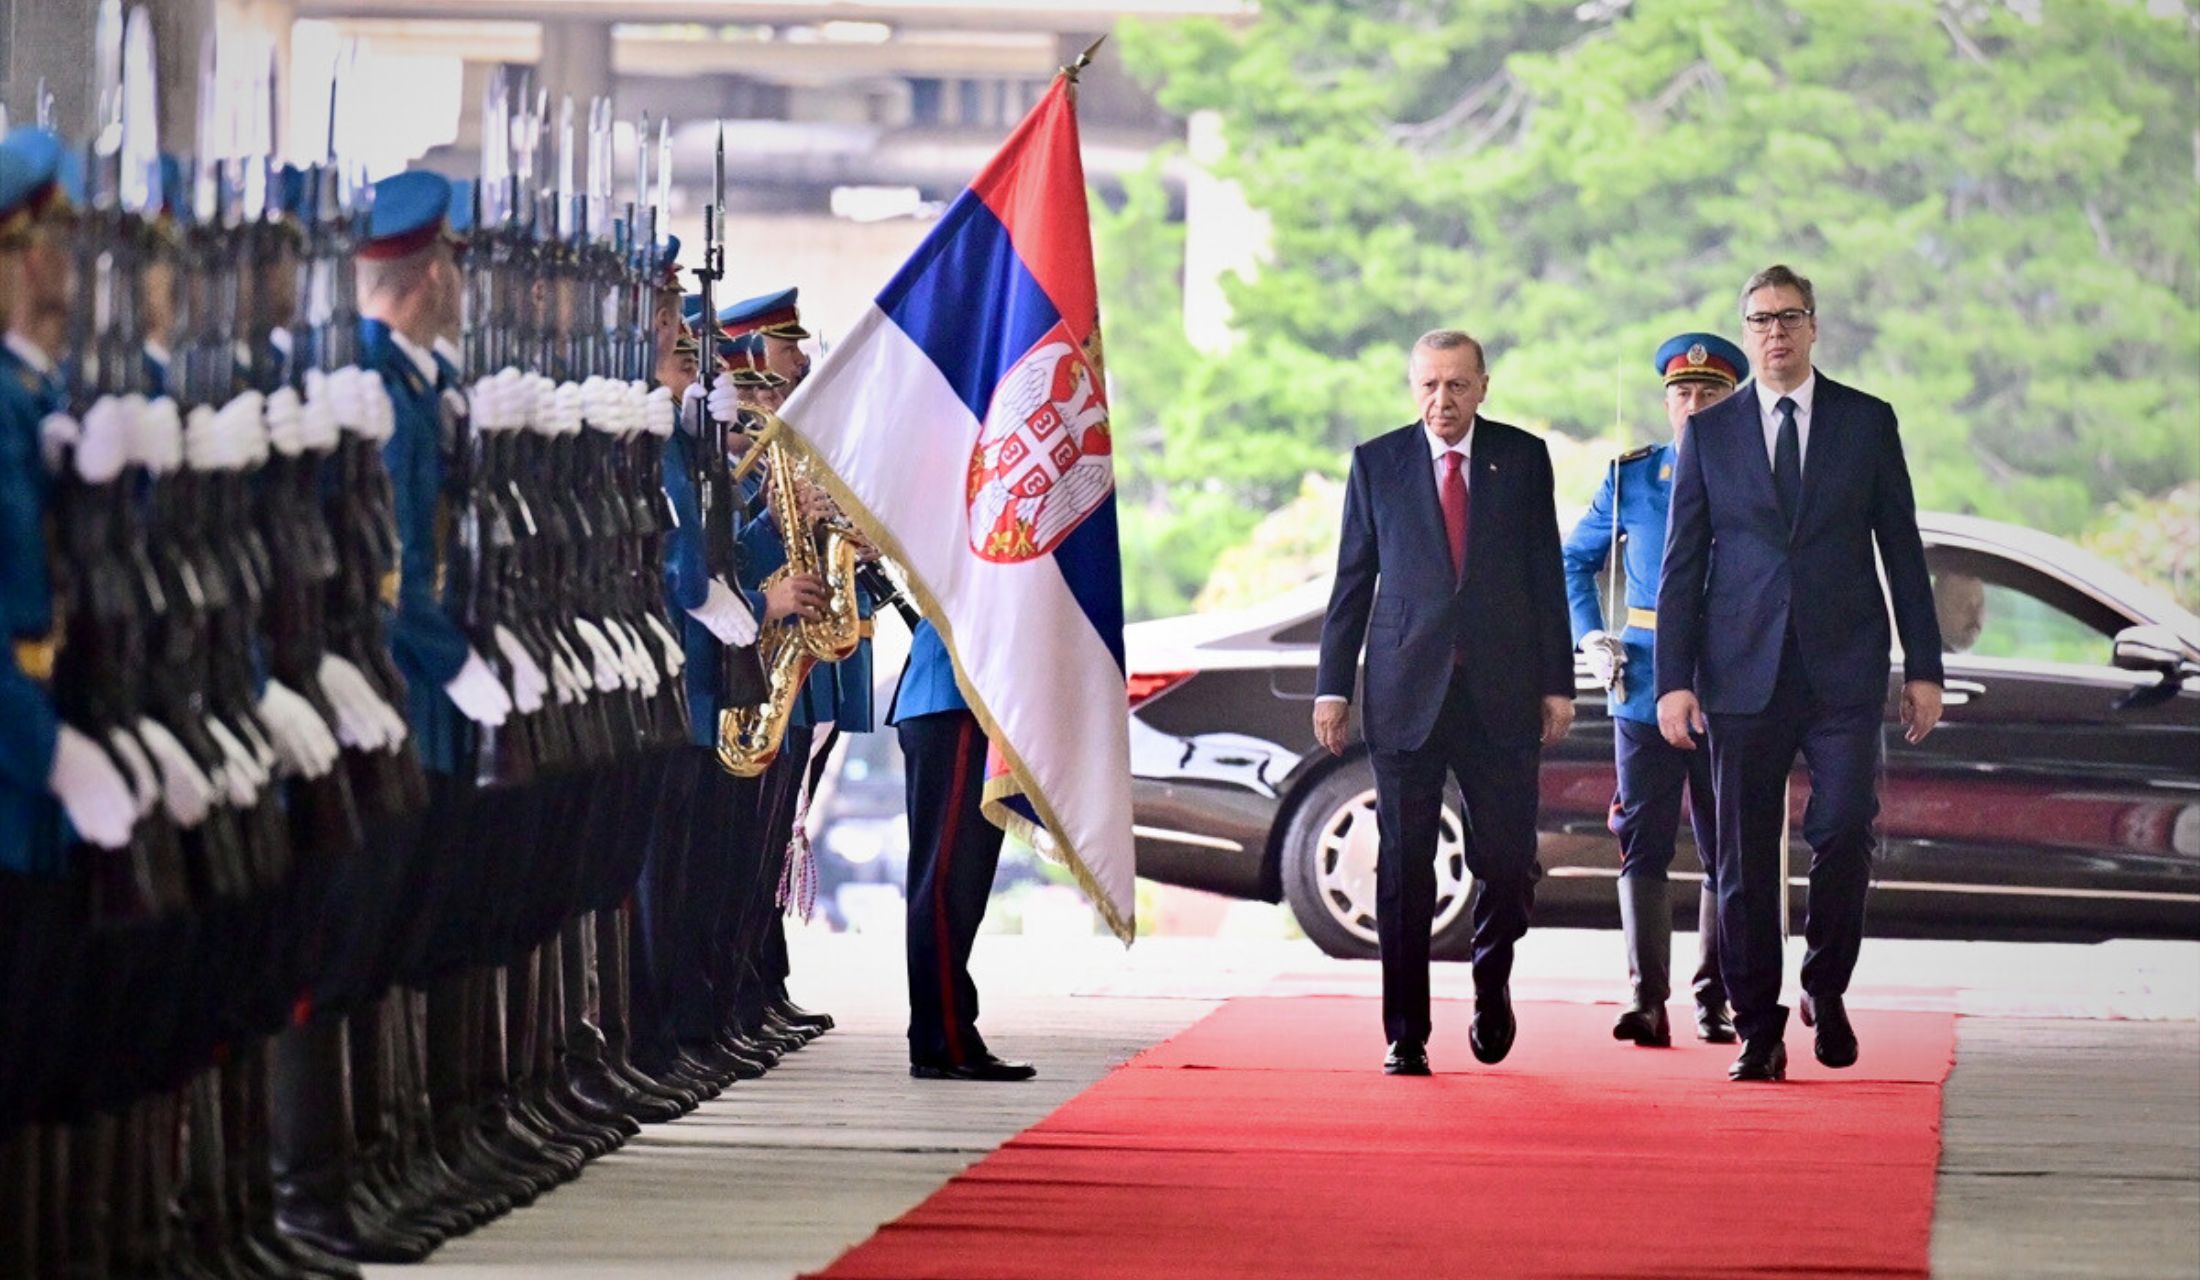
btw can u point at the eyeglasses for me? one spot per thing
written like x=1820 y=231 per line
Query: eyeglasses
x=1789 y=320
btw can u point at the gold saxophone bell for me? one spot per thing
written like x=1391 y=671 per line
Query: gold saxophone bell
x=749 y=737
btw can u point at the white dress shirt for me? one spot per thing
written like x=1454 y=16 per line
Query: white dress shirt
x=1769 y=417
x=30 y=353
x=1436 y=451
x=422 y=358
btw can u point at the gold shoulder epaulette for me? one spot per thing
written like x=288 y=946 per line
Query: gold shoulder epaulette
x=1630 y=456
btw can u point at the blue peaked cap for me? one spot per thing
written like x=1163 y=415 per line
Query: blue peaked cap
x=1704 y=357
x=410 y=211
x=30 y=160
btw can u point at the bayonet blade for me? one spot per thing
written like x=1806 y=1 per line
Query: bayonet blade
x=141 y=193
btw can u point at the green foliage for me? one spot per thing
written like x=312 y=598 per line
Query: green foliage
x=1999 y=214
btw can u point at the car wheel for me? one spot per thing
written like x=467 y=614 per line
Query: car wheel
x=1328 y=868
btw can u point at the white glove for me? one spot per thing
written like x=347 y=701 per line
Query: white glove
x=726 y=614
x=1606 y=656
x=186 y=792
x=92 y=791
x=317 y=429
x=658 y=415
x=637 y=658
x=240 y=433
x=564 y=681
x=57 y=434
x=691 y=408
x=609 y=673
x=156 y=438
x=568 y=408
x=528 y=681
x=363 y=720
x=104 y=448
x=675 y=656
x=725 y=406
x=379 y=422
x=479 y=694
x=286 y=422
x=301 y=738
x=241 y=773
x=138 y=767
x=202 y=438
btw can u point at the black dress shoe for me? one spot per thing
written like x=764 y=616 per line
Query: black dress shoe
x=1836 y=1043
x=987 y=1067
x=1645 y=1024
x=331 y=1229
x=801 y=1017
x=1763 y=1058
x=1491 y=1033
x=1713 y=1025
x=1406 y=1058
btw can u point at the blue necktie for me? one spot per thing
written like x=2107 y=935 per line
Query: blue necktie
x=1787 y=462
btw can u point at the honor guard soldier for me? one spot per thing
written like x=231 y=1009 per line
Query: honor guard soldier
x=42 y=761
x=409 y=293
x=1699 y=370
x=768 y=365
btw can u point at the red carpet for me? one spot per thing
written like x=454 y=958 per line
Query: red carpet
x=1263 y=1142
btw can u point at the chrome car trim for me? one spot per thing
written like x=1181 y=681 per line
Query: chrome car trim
x=1191 y=838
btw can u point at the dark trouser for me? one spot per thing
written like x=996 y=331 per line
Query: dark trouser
x=953 y=853
x=1498 y=781
x=756 y=888
x=1646 y=814
x=1750 y=757
x=661 y=901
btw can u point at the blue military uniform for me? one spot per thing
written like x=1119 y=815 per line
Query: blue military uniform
x=33 y=832
x=1630 y=509
x=410 y=211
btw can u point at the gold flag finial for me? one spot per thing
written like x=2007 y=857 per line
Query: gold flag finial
x=1083 y=59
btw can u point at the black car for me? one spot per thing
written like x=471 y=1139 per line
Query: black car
x=2060 y=797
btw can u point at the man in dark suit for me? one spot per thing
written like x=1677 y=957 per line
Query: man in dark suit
x=1469 y=672
x=1770 y=611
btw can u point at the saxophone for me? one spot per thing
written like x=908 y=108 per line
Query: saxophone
x=749 y=737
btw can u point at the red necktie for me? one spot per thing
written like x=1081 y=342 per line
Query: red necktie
x=1453 y=494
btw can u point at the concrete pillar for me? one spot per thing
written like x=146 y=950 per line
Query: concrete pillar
x=576 y=60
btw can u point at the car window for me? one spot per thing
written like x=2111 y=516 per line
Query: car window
x=1994 y=608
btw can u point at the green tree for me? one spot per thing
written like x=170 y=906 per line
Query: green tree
x=1998 y=203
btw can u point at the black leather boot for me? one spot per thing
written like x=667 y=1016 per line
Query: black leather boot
x=1646 y=917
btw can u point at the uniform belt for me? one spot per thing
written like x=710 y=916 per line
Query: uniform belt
x=1647 y=619
x=34 y=658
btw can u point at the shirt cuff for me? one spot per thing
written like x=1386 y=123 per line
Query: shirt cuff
x=1329 y=697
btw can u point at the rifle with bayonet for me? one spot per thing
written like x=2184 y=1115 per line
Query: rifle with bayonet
x=741 y=679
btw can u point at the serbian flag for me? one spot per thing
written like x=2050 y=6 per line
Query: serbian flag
x=963 y=422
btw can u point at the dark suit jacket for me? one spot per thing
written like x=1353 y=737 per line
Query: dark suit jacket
x=1735 y=575
x=1508 y=614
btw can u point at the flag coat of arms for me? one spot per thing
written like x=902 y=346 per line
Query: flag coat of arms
x=963 y=422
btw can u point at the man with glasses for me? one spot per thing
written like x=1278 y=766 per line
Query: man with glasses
x=1783 y=636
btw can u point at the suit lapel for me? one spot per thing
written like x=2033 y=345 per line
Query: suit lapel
x=1745 y=429
x=1416 y=484
x=1822 y=462
x=1482 y=482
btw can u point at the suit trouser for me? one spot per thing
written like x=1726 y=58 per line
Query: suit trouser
x=1498 y=780
x=1750 y=758
x=953 y=853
